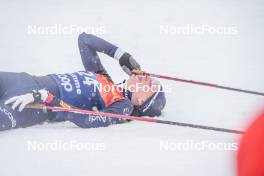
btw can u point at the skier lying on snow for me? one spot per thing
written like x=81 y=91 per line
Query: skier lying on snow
x=80 y=90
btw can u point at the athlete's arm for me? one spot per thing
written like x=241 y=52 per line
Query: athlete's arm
x=89 y=45
x=123 y=107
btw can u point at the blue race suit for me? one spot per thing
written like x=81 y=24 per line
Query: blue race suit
x=80 y=89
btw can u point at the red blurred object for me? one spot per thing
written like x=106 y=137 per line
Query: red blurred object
x=250 y=159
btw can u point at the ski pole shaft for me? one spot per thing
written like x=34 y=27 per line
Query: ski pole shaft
x=200 y=126
x=87 y=112
x=200 y=83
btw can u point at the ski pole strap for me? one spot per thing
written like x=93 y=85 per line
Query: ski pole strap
x=87 y=112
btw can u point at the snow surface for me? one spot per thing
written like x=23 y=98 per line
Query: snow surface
x=135 y=148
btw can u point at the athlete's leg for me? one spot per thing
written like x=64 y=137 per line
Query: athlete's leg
x=2 y=89
x=13 y=119
x=13 y=84
x=88 y=46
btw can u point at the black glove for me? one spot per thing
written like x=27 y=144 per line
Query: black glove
x=128 y=63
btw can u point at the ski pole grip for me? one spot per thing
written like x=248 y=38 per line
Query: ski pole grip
x=138 y=72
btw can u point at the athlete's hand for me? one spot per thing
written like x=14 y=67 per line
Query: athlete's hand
x=21 y=101
x=128 y=63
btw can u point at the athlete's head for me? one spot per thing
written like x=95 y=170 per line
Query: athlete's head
x=147 y=95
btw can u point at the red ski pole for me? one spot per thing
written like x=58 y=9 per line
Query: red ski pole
x=197 y=83
x=87 y=112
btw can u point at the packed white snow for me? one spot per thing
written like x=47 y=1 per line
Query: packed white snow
x=233 y=58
